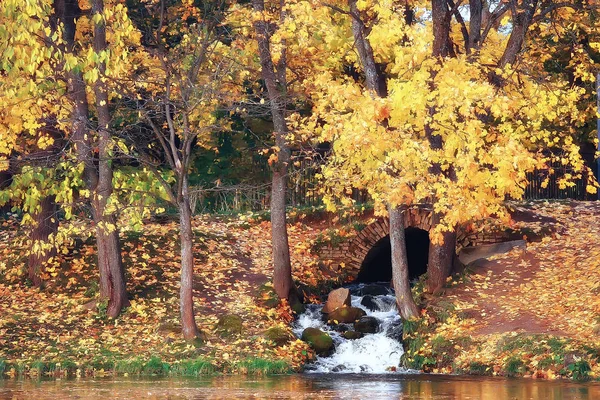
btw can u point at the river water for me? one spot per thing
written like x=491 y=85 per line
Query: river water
x=303 y=386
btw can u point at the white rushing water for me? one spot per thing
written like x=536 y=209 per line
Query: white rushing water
x=374 y=353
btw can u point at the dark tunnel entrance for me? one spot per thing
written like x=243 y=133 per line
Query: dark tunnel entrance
x=377 y=265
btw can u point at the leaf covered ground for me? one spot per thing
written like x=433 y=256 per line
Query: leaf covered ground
x=62 y=327
x=533 y=312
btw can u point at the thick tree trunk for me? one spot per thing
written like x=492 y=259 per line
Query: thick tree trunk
x=441 y=258
x=186 y=296
x=521 y=22
x=440 y=19
x=109 y=259
x=282 y=273
x=46 y=223
x=404 y=299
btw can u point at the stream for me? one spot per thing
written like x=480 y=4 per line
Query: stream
x=374 y=353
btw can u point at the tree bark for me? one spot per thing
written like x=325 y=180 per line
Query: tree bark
x=186 y=296
x=441 y=258
x=112 y=284
x=440 y=19
x=373 y=79
x=46 y=223
x=521 y=22
x=282 y=268
x=475 y=20
x=404 y=299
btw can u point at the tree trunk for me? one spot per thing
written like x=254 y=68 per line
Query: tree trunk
x=440 y=19
x=441 y=258
x=475 y=20
x=112 y=287
x=186 y=295
x=404 y=299
x=521 y=22
x=46 y=223
x=282 y=268
x=373 y=79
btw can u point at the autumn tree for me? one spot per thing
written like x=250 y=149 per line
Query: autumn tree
x=275 y=79
x=464 y=118
x=50 y=63
x=184 y=77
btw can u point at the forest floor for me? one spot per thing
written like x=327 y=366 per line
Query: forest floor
x=532 y=312
x=62 y=329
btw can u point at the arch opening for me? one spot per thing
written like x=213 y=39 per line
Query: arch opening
x=377 y=265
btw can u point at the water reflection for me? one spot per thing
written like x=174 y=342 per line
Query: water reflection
x=309 y=386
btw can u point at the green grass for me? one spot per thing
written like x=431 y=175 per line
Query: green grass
x=2 y=367
x=132 y=366
x=195 y=367
x=514 y=367
x=260 y=366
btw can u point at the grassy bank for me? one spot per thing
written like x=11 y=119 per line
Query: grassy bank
x=153 y=366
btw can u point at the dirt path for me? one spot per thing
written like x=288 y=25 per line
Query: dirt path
x=550 y=288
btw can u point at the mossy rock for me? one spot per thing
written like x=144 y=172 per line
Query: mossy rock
x=229 y=325
x=346 y=315
x=320 y=341
x=278 y=335
x=352 y=335
x=267 y=296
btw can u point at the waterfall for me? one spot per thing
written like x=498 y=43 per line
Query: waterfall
x=374 y=353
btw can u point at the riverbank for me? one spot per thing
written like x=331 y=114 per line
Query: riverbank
x=530 y=313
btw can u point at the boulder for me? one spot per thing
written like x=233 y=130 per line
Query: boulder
x=367 y=325
x=374 y=290
x=395 y=330
x=229 y=325
x=278 y=335
x=320 y=341
x=337 y=298
x=346 y=315
x=369 y=303
x=352 y=335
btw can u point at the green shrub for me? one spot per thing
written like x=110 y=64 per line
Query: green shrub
x=155 y=366
x=580 y=370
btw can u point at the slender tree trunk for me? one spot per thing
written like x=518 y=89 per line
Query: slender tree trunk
x=439 y=266
x=475 y=20
x=377 y=83
x=404 y=299
x=282 y=273
x=186 y=296
x=373 y=79
x=46 y=223
x=109 y=259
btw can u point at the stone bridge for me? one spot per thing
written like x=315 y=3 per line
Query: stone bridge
x=367 y=256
